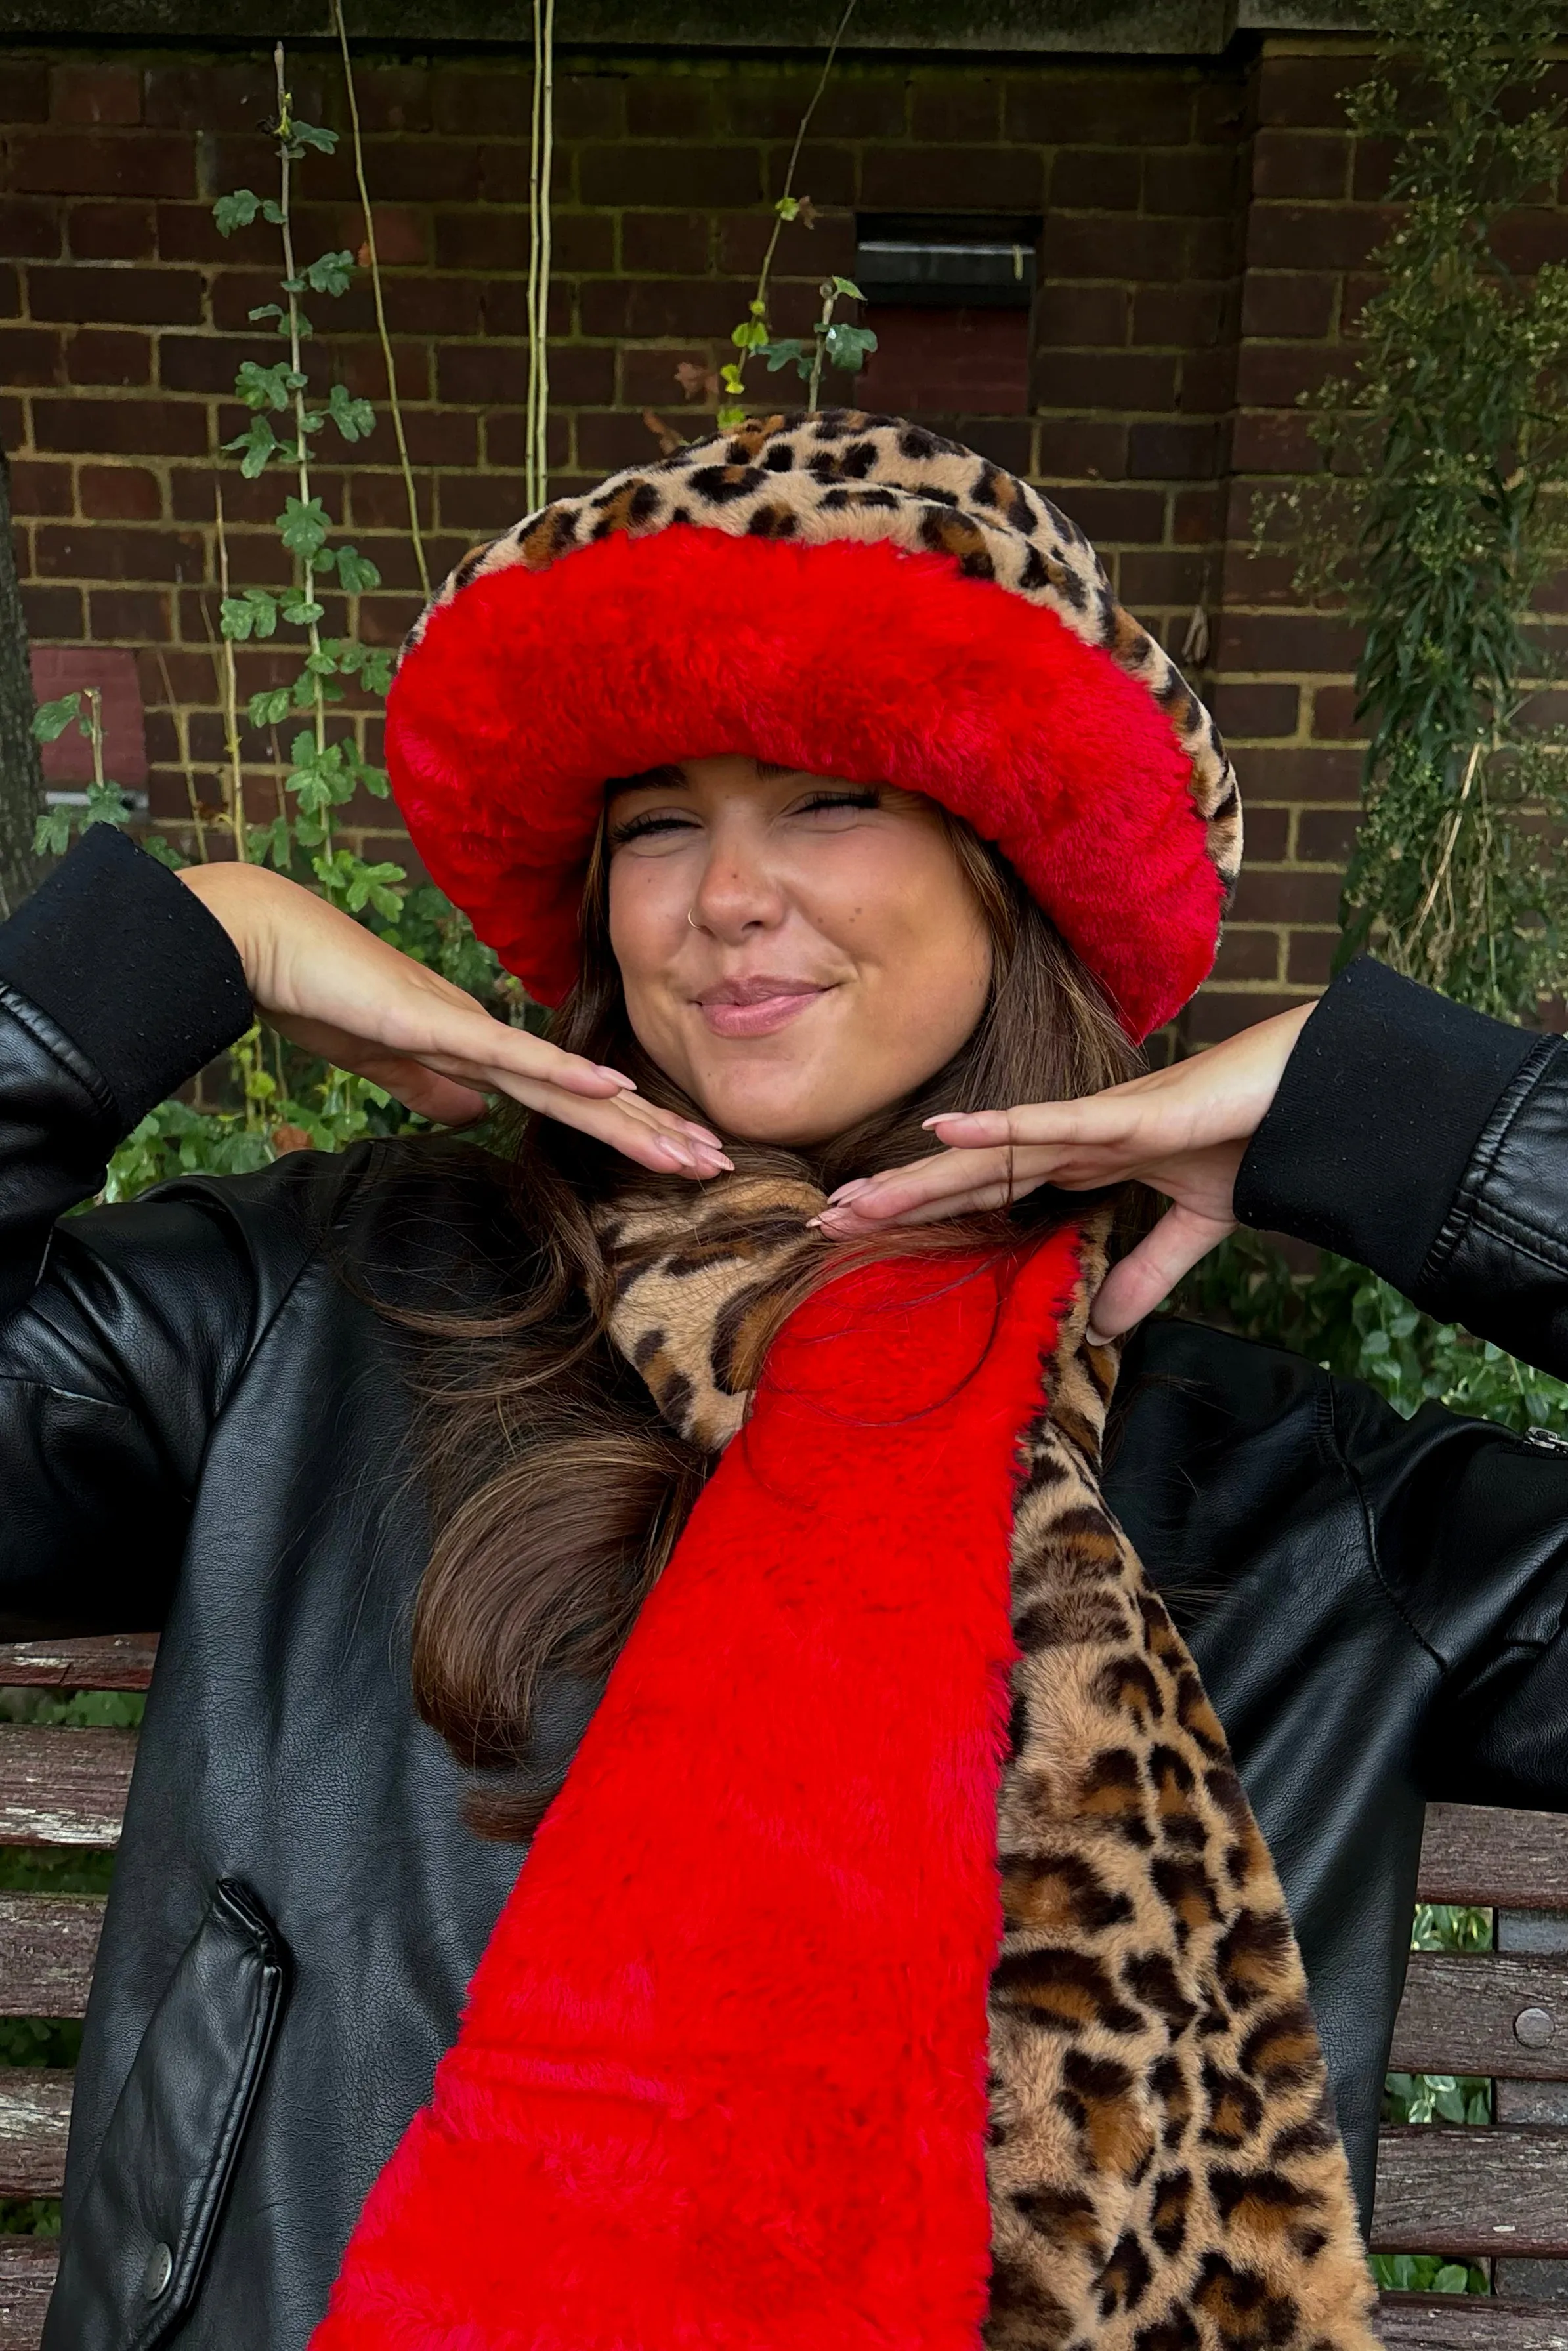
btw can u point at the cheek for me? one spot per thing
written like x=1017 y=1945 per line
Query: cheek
x=904 y=910
x=646 y=916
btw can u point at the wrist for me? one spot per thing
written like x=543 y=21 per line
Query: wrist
x=240 y=898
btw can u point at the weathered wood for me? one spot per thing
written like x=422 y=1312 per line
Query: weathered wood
x=28 y=2266
x=1487 y=2012
x=1470 y=2191
x=35 y=2115
x=1467 y=2322
x=63 y=1787
x=109 y=1661
x=47 y=1946
x=1473 y=1853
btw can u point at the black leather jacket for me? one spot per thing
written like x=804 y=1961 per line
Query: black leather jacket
x=203 y=1426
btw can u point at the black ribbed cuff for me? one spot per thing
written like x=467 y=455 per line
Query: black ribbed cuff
x=131 y=966
x=1377 y=1115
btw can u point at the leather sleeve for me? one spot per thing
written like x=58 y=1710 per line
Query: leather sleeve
x=1428 y=1142
x=120 y=1328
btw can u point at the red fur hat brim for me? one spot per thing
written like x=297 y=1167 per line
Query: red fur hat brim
x=531 y=689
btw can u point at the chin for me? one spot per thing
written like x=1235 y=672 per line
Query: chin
x=790 y=1119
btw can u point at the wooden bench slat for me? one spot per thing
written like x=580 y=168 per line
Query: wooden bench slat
x=28 y=2266
x=1444 y=2189
x=1460 y=2013
x=104 y=1661
x=1468 y=2322
x=63 y=1787
x=47 y=1946
x=35 y=2115
x=1474 y=1853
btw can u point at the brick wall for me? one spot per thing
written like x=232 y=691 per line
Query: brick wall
x=1206 y=230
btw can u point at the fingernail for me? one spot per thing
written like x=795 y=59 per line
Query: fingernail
x=719 y=1160
x=1096 y=1338
x=703 y=1133
x=681 y=1153
x=620 y=1076
x=850 y=1191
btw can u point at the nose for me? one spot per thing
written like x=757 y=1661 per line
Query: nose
x=739 y=895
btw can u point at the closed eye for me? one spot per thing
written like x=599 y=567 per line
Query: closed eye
x=655 y=820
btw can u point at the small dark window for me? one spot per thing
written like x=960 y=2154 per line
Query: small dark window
x=949 y=298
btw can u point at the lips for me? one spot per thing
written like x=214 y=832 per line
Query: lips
x=756 y=1006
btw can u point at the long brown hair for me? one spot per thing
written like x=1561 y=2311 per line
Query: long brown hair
x=557 y=1491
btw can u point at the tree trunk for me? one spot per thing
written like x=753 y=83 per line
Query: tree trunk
x=21 y=776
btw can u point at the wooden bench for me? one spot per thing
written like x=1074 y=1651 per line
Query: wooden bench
x=1497 y=2195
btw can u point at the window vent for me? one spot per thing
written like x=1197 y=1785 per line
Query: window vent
x=959 y=261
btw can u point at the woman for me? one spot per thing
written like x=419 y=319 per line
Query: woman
x=691 y=1519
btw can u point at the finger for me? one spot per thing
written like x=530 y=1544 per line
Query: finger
x=430 y=1094
x=660 y=1147
x=1145 y=1277
x=898 y=1192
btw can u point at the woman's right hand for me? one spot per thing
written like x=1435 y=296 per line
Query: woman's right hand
x=333 y=986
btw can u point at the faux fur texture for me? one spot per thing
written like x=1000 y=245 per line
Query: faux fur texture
x=720 y=2079
x=858 y=599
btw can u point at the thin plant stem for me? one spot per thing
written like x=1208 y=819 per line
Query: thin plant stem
x=1459 y=818
x=182 y=736
x=231 y=702
x=393 y=402
x=805 y=123
x=542 y=147
x=95 y=732
x=302 y=450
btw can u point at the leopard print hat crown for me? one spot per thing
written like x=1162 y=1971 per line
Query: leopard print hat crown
x=848 y=595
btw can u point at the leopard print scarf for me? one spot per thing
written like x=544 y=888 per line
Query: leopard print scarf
x=1164 y=2168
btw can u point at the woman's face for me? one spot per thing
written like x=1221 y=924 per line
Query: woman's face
x=796 y=953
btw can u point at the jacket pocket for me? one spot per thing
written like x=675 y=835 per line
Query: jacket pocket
x=132 y=2263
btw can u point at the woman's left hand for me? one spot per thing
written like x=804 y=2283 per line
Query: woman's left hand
x=1182 y=1131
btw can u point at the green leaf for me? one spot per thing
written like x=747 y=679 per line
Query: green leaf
x=356 y=572
x=1452 y=2278
x=235 y=211
x=265 y=311
x=254 y=614
x=788 y=208
x=270 y=707
x=847 y=285
x=52 y=834
x=849 y=347
x=51 y=718
x=106 y=804
x=790 y=352
x=353 y=418
x=329 y=273
x=259 y=445
x=303 y=527
x=302 y=610
x=308 y=135
x=272 y=387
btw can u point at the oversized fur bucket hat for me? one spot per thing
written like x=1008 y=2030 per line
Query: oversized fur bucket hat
x=848 y=595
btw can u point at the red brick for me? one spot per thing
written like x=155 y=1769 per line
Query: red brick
x=31 y=229
x=10 y=293
x=667 y=245
x=1375 y=160
x=679 y=308
x=984 y=179
x=1274 y=375
x=54 y=615
x=1197 y=516
x=403 y=238
x=1333 y=715
x=825 y=173
x=1303 y=772
x=116 y=551
x=1526 y=241
x=1301 y=163
x=1073 y=316
x=1190 y=316
x=106 y=355
x=1173 y=451
x=858 y=102
x=1310 y=960
x=1096 y=179
x=95 y=93
x=27 y=92
x=478 y=504
x=1191 y=180
x=29 y=355
x=1222 y=105
x=1274 y=441
x=435 y=438
x=379 y=501
x=503 y=443
x=1248 y=710
x=959 y=105
x=209 y=96
x=137 y=428
x=1161 y=576
x=40 y=489
x=648 y=377
x=1081 y=245
x=472 y=374
x=392 y=97
x=1132 y=518
x=1268 y=834
x=1129 y=106
x=1212 y=1017
x=120 y=494
x=83 y=164
x=670 y=106
x=1207 y=386
x=122 y=232
x=142 y=297
x=1286 y=896
x=209 y=362
x=495 y=103
x=1101 y=381
x=1300 y=302
x=1326 y=836
x=806 y=253
x=138 y=616
x=1306 y=92
x=1071 y=448
x=1296 y=642
x=1315 y=237
x=1248 y=955
x=1005 y=442
x=641 y=175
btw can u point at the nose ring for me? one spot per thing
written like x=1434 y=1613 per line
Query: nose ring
x=691 y=918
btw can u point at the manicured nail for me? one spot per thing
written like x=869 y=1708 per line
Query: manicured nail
x=1096 y=1338
x=681 y=1153
x=605 y=1071
x=703 y=1133
x=719 y=1160
x=850 y=1191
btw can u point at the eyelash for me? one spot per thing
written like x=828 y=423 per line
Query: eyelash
x=639 y=827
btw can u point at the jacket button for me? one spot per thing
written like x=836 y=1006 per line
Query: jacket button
x=160 y=2269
